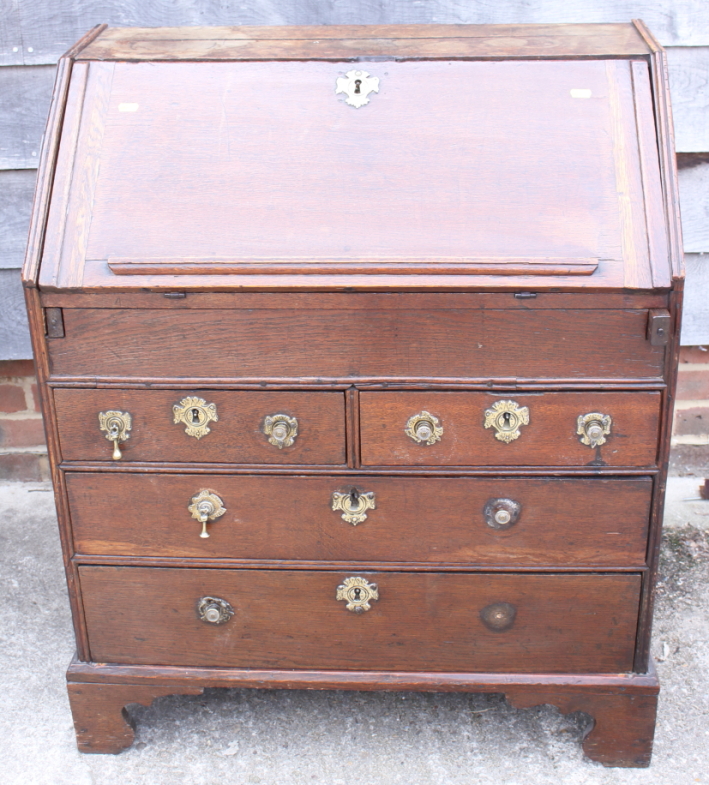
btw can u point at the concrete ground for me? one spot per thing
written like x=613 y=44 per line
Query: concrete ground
x=230 y=737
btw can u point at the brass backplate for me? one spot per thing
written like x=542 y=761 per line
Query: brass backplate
x=593 y=428
x=281 y=430
x=354 y=505
x=357 y=85
x=357 y=593
x=195 y=413
x=506 y=417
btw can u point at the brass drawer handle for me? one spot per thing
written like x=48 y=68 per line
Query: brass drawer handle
x=206 y=506
x=501 y=513
x=195 y=414
x=280 y=429
x=354 y=505
x=117 y=426
x=424 y=428
x=357 y=593
x=593 y=428
x=506 y=417
x=214 y=610
x=498 y=616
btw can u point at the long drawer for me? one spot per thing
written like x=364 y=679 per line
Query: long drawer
x=519 y=429
x=373 y=342
x=418 y=621
x=229 y=426
x=501 y=521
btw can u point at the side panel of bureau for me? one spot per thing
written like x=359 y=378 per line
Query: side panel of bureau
x=563 y=522
x=270 y=343
x=421 y=621
x=549 y=439
x=237 y=436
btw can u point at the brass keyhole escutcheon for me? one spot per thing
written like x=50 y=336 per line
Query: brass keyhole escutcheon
x=593 y=428
x=281 y=430
x=357 y=593
x=195 y=414
x=117 y=426
x=214 y=610
x=424 y=428
x=357 y=85
x=204 y=507
x=501 y=514
x=506 y=417
x=354 y=505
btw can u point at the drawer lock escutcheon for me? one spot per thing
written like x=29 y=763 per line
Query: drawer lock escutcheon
x=593 y=428
x=354 y=505
x=204 y=507
x=195 y=414
x=117 y=427
x=424 y=428
x=281 y=430
x=357 y=593
x=501 y=513
x=214 y=610
x=506 y=417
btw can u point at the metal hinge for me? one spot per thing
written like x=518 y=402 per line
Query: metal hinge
x=54 y=322
x=658 y=326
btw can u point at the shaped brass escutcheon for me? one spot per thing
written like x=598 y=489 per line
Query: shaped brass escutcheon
x=506 y=417
x=195 y=414
x=354 y=505
x=117 y=426
x=357 y=593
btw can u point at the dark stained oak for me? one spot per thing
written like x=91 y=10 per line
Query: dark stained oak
x=421 y=343
x=564 y=522
x=236 y=437
x=550 y=438
x=421 y=621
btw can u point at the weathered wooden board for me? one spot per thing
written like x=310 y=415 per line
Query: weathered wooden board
x=694 y=206
x=16 y=189
x=14 y=332
x=689 y=88
x=23 y=113
x=695 y=319
x=34 y=33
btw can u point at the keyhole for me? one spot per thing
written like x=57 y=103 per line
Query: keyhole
x=506 y=418
x=195 y=417
x=358 y=83
x=357 y=593
x=354 y=496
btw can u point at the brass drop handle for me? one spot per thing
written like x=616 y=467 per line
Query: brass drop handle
x=280 y=429
x=204 y=507
x=116 y=426
x=214 y=610
x=354 y=504
x=424 y=428
x=593 y=428
x=357 y=593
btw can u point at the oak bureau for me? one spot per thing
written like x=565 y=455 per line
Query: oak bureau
x=357 y=350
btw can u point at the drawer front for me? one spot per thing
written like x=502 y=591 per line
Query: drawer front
x=549 y=438
x=341 y=343
x=238 y=435
x=420 y=621
x=477 y=521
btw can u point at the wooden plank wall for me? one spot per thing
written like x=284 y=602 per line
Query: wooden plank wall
x=34 y=34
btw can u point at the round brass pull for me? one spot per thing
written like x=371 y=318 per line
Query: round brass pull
x=357 y=593
x=424 y=428
x=195 y=414
x=501 y=513
x=281 y=430
x=117 y=427
x=593 y=428
x=214 y=610
x=354 y=505
x=206 y=506
x=506 y=417
x=498 y=616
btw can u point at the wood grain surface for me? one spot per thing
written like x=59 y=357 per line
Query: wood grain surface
x=549 y=439
x=422 y=621
x=237 y=436
x=564 y=522
x=439 y=341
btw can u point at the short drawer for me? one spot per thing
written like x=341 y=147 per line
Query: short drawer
x=476 y=521
x=420 y=621
x=520 y=429
x=352 y=341
x=205 y=426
